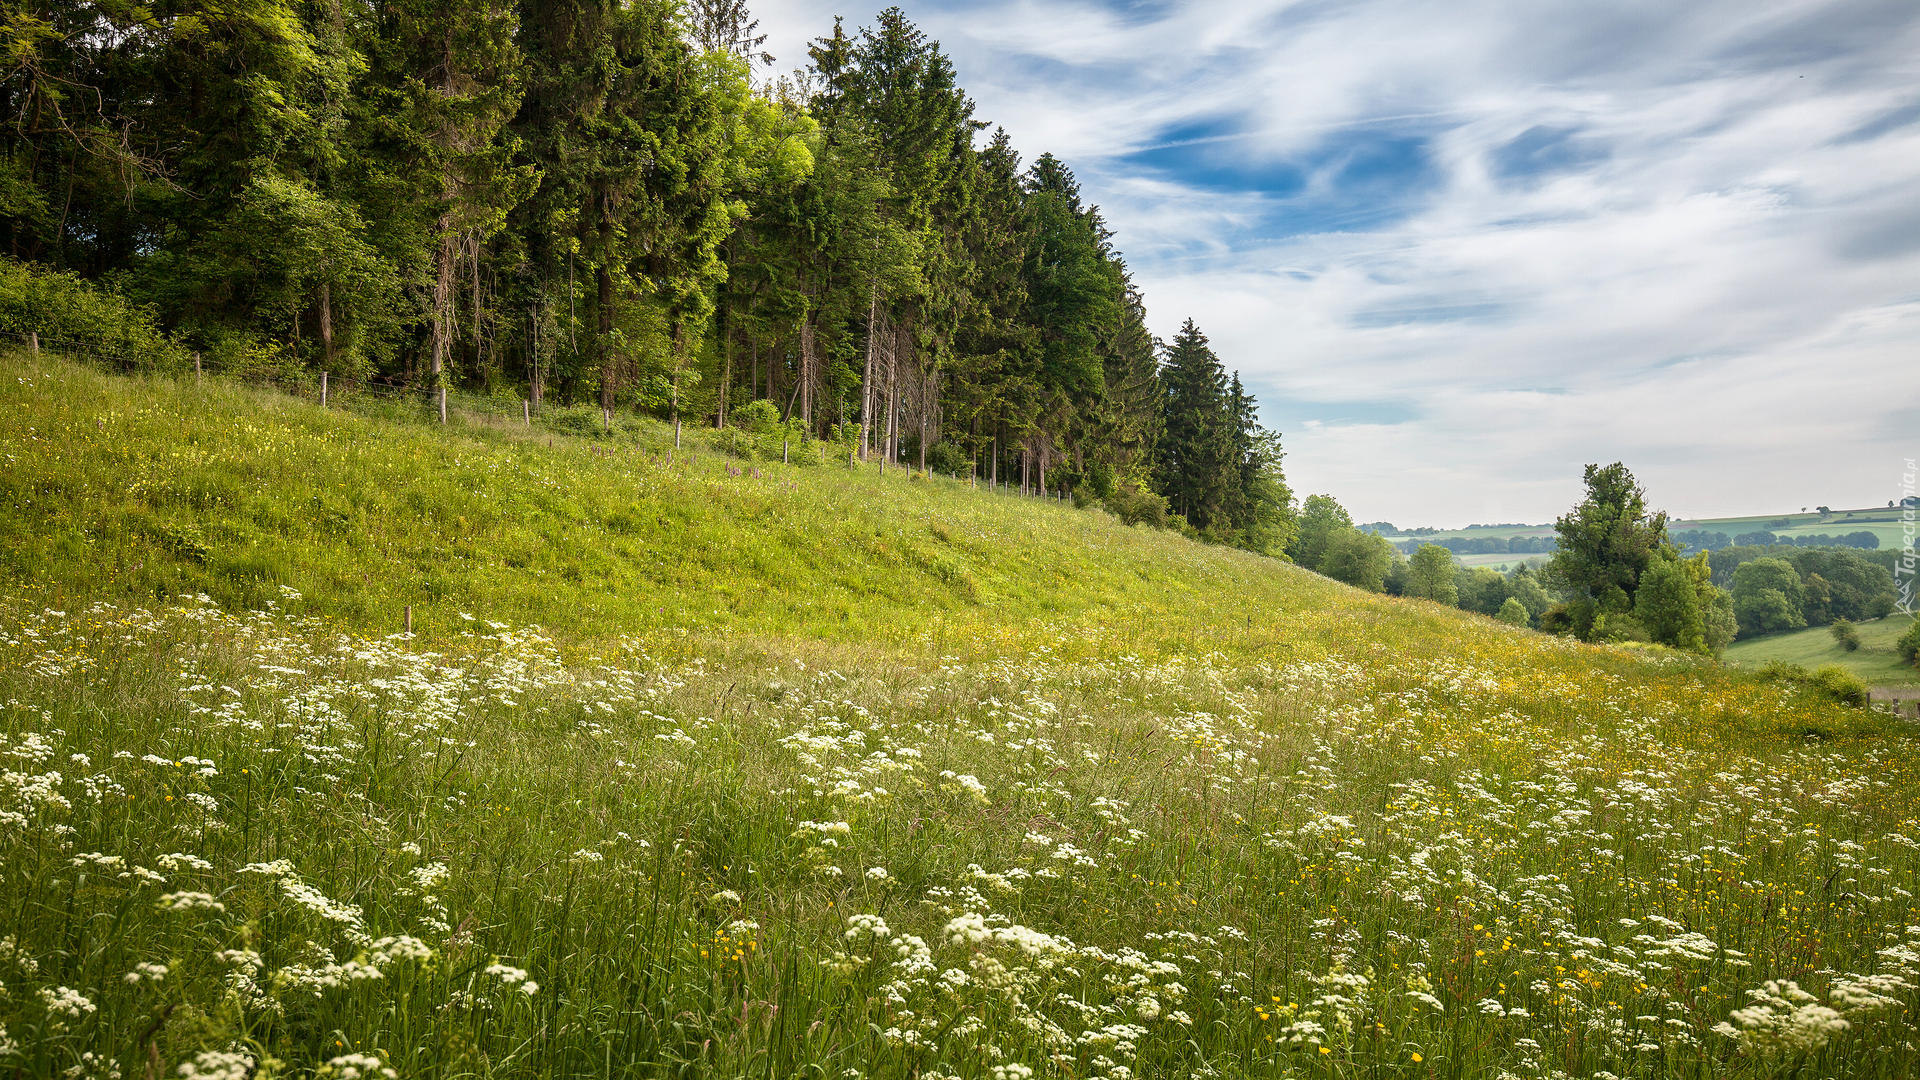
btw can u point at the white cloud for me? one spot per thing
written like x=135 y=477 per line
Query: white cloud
x=1717 y=285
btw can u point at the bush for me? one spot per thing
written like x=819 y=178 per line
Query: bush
x=1620 y=626
x=1844 y=633
x=736 y=441
x=756 y=417
x=1840 y=684
x=1137 y=506
x=1514 y=613
x=1831 y=681
x=1909 y=644
x=74 y=315
x=948 y=460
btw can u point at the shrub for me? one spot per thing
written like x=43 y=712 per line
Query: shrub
x=71 y=314
x=756 y=417
x=1137 y=506
x=736 y=441
x=1844 y=633
x=1840 y=684
x=1831 y=681
x=947 y=459
x=1620 y=626
x=1909 y=644
x=1514 y=613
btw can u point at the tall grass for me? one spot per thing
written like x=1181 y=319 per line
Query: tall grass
x=1039 y=829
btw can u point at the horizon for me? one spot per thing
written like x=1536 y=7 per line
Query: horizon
x=1672 y=238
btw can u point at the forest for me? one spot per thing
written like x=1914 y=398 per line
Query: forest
x=583 y=201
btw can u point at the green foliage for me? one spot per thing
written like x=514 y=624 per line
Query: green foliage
x=69 y=313
x=1768 y=597
x=1135 y=505
x=1908 y=645
x=1359 y=559
x=1679 y=606
x=580 y=202
x=1430 y=575
x=1514 y=613
x=1831 y=682
x=1607 y=541
x=1845 y=634
x=1481 y=589
x=1524 y=585
x=1322 y=521
x=1840 y=684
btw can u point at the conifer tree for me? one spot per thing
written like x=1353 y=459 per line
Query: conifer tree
x=1196 y=468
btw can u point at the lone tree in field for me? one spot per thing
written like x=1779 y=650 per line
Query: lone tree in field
x=1608 y=540
x=1611 y=549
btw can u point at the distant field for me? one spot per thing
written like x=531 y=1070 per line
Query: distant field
x=1476 y=532
x=1499 y=562
x=1884 y=522
x=1875 y=661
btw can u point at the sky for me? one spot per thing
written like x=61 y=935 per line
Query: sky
x=1460 y=250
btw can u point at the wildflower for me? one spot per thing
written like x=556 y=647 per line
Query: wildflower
x=357 y=1067
x=876 y=873
x=217 y=1065
x=514 y=977
x=66 y=1002
x=146 y=972
x=190 y=901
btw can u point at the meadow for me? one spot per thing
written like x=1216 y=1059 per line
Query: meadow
x=688 y=771
x=1875 y=660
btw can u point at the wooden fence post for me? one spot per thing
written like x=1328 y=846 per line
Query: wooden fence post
x=33 y=339
x=784 y=444
x=196 y=369
x=443 y=407
x=323 y=389
x=526 y=413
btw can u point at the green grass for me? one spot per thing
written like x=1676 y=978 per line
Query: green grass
x=138 y=489
x=1875 y=661
x=825 y=775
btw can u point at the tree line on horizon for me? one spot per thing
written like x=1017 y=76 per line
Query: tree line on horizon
x=591 y=201
x=1616 y=573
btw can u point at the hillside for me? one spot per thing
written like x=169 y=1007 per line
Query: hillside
x=822 y=773
x=1875 y=660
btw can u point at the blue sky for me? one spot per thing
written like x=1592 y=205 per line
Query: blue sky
x=1459 y=250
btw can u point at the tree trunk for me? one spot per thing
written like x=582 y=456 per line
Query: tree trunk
x=726 y=367
x=806 y=370
x=444 y=258
x=479 y=344
x=603 y=283
x=866 y=377
x=326 y=322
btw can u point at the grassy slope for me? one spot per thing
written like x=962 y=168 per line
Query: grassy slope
x=1144 y=807
x=1875 y=661
x=136 y=489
